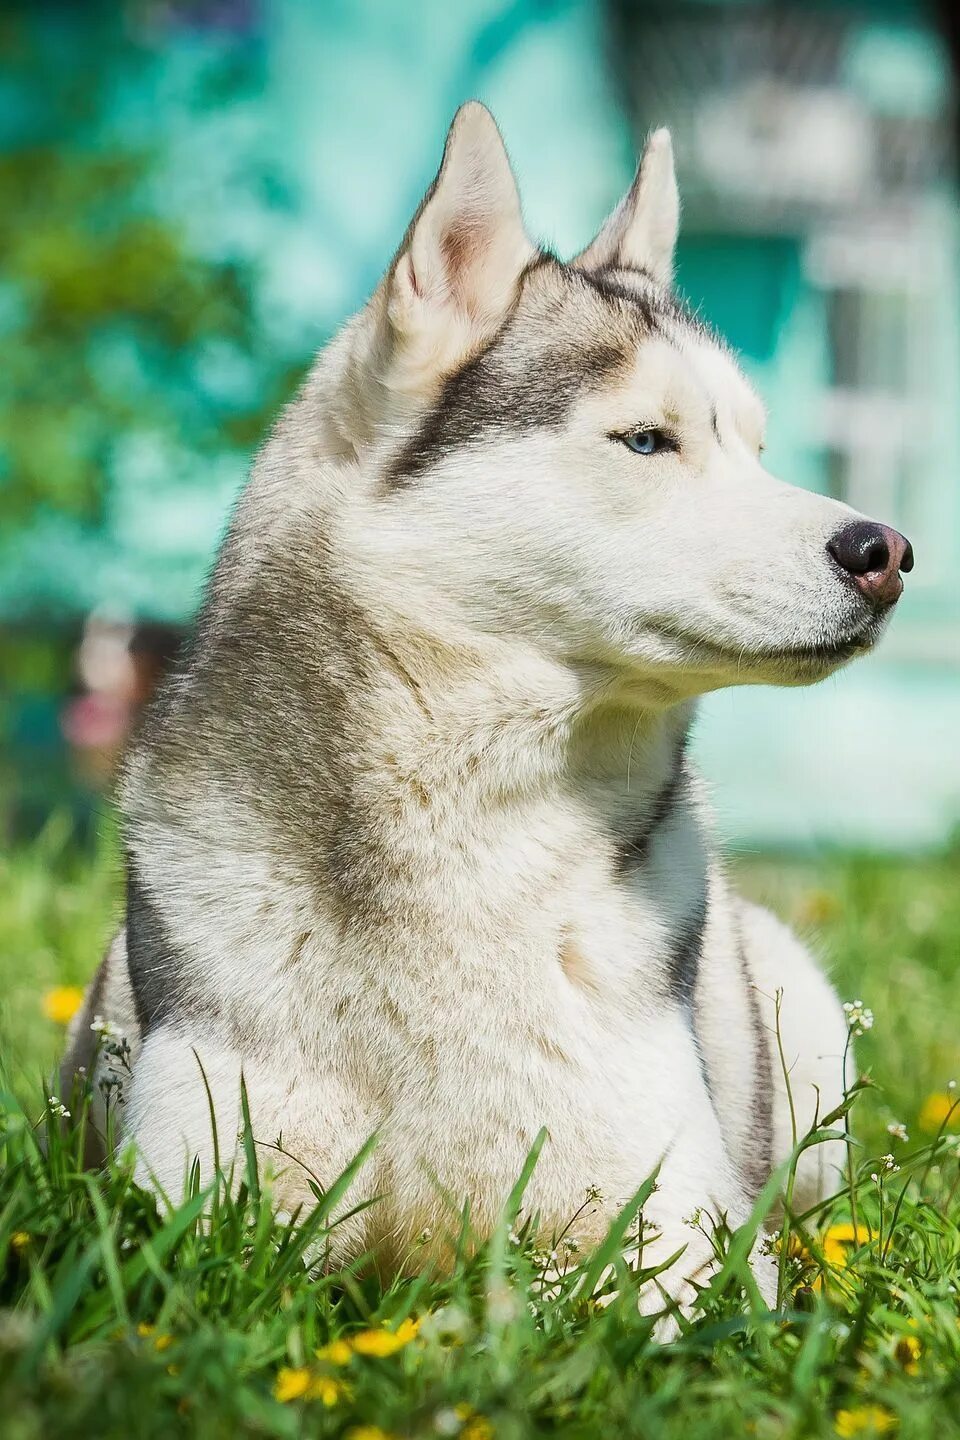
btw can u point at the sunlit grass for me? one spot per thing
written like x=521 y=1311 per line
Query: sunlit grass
x=117 y=1319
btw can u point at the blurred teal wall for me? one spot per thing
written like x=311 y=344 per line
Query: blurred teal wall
x=280 y=150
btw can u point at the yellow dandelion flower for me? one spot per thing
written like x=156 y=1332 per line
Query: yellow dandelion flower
x=935 y=1111
x=61 y=1003
x=863 y=1420
x=291 y=1384
x=907 y=1352
x=300 y=1383
x=839 y=1240
x=144 y=1330
x=20 y=1239
x=381 y=1343
x=477 y=1428
x=327 y=1390
x=368 y=1432
x=836 y=1244
x=338 y=1352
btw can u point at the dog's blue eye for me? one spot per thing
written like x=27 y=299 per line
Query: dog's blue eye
x=649 y=442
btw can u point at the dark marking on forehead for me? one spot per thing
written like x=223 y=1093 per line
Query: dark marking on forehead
x=619 y=267
x=637 y=286
x=612 y=286
x=548 y=352
x=714 y=424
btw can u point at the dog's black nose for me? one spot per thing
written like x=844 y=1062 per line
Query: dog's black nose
x=873 y=556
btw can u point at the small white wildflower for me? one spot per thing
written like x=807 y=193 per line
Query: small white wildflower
x=16 y=1330
x=889 y=1163
x=594 y=1195
x=447 y=1421
x=56 y=1107
x=898 y=1130
x=502 y=1306
x=693 y=1221
x=951 y=1084
x=106 y=1028
x=874 y=1177
x=859 y=1018
x=425 y=1236
x=448 y=1325
x=571 y=1246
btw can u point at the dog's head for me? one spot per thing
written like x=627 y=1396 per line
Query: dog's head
x=562 y=451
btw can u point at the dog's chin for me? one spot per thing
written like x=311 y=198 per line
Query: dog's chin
x=713 y=662
x=803 y=664
x=806 y=666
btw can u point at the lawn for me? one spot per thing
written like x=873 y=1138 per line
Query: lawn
x=117 y=1320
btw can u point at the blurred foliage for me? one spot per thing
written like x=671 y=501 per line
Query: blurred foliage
x=115 y=331
x=36 y=769
x=105 y=313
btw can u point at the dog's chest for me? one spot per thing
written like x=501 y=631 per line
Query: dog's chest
x=538 y=945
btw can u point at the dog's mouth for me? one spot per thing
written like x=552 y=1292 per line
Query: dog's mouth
x=813 y=661
x=796 y=663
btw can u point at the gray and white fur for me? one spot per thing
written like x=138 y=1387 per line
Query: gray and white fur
x=412 y=838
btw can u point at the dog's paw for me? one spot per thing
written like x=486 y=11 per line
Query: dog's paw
x=674 y=1289
x=673 y=1292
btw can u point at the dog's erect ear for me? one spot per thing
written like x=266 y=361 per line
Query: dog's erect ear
x=456 y=274
x=642 y=231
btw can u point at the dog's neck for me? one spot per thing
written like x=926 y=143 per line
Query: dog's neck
x=487 y=727
x=486 y=797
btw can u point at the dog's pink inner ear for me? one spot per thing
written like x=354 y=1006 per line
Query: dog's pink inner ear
x=458 y=246
x=462 y=256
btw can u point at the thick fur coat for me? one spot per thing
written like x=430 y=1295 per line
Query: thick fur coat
x=413 y=842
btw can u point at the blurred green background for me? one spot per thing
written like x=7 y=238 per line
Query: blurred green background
x=194 y=195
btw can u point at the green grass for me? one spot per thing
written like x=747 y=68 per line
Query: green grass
x=117 y=1320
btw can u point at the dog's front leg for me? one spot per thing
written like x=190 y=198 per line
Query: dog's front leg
x=697 y=1184
x=183 y=1105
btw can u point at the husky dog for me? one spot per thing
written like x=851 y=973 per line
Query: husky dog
x=412 y=840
